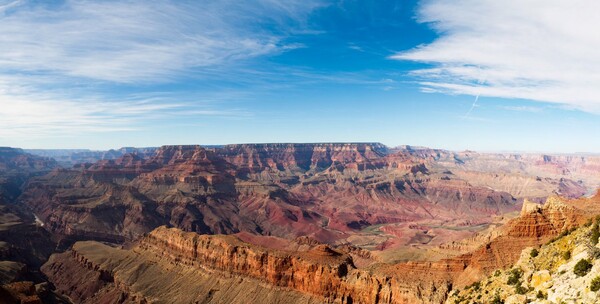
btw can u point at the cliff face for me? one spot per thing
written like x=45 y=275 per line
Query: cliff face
x=16 y=167
x=21 y=239
x=522 y=175
x=176 y=267
x=533 y=227
x=331 y=192
x=542 y=273
x=304 y=157
x=320 y=274
x=327 y=191
x=313 y=272
x=24 y=245
x=390 y=201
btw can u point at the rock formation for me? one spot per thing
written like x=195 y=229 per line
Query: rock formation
x=318 y=272
x=24 y=244
x=328 y=191
x=279 y=223
x=544 y=272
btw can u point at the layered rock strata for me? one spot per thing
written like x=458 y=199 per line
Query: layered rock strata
x=318 y=272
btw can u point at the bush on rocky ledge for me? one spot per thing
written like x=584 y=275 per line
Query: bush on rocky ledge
x=582 y=267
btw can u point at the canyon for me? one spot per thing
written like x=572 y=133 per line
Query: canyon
x=311 y=273
x=278 y=223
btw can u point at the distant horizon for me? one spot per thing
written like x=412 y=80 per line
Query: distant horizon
x=110 y=73
x=575 y=153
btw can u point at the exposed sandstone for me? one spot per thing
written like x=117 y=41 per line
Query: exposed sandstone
x=326 y=191
x=319 y=271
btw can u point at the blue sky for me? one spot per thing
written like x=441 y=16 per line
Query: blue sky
x=447 y=74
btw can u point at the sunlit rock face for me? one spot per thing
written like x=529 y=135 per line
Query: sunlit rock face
x=327 y=191
x=294 y=271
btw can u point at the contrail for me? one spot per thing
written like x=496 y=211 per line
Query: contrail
x=9 y=5
x=479 y=82
x=472 y=106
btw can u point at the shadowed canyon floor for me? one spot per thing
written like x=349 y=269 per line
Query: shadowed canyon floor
x=279 y=223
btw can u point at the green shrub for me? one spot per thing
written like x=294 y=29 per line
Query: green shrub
x=595 y=284
x=541 y=295
x=460 y=299
x=497 y=273
x=520 y=289
x=475 y=286
x=515 y=276
x=566 y=255
x=582 y=267
x=534 y=252
x=497 y=300
x=595 y=234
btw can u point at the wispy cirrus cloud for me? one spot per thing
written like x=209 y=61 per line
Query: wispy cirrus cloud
x=138 y=41
x=27 y=112
x=538 y=50
x=529 y=109
x=73 y=67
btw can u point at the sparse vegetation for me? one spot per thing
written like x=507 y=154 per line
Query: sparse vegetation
x=497 y=300
x=541 y=295
x=582 y=267
x=566 y=255
x=515 y=276
x=565 y=233
x=534 y=253
x=595 y=234
x=595 y=284
x=475 y=286
x=544 y=258
x=519 y=289
x=459 y=299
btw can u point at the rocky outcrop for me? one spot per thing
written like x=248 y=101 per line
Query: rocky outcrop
x=543 y=272
x=21 y=239
x=330 y=192
x=344 y=195
x=320 y=272
x=255 y=158
x=24 y=245
x=326 y=191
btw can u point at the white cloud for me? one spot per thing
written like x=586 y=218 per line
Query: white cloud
x=138 y=40
x=529 y=109
x=537 y=50
x=69 y=68
x=26 y=112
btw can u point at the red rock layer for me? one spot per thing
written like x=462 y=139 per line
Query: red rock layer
x=328 y=273
x=324 y=190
